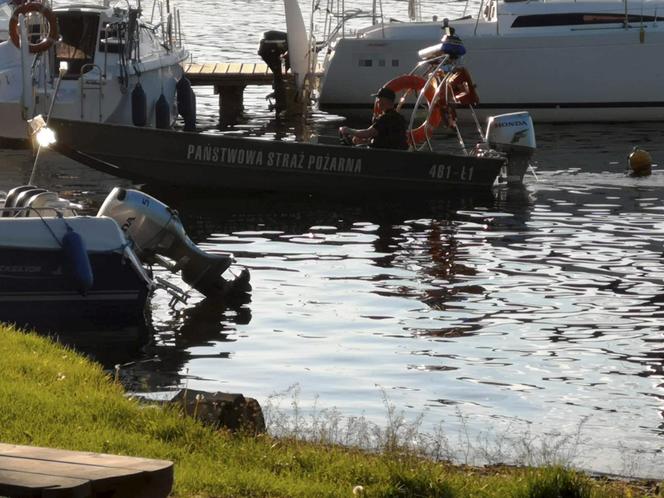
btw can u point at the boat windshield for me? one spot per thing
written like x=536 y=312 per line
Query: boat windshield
x=78 y=31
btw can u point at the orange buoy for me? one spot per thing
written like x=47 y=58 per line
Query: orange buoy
x=640 y=162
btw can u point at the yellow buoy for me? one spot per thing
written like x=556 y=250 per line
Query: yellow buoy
x=640 y=162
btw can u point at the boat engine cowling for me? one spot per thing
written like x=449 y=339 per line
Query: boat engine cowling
x=514 y=135
x=156 y=230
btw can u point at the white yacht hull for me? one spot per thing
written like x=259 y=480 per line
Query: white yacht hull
x=600 y=74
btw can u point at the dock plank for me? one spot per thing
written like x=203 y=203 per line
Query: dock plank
x=101 y=478
x=27 y=471
x=234 y=67
x=82 y=457
x=193 y=68
x=247 y=68
x=262 y=69
x=29 y=485
x=208 y=68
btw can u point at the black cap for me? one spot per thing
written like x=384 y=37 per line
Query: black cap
x=386 y=93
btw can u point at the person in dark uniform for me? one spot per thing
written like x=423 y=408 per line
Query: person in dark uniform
x=388 y=131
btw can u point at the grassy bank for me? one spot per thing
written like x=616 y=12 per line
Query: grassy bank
x=51 y=396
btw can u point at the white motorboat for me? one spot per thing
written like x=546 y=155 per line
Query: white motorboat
x=96 y=63
x=61 y=267
x=560 y=60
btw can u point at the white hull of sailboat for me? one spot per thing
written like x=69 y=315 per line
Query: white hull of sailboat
x=584 y=74
x=97 y=83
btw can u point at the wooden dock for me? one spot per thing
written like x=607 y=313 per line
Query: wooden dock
x=220 y=74
x=229 y=79
x=32 y=472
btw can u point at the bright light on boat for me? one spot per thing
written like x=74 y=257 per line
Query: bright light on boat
x=36 y=123
x=45 y=137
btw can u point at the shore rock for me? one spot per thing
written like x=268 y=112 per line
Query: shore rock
x=222 y=410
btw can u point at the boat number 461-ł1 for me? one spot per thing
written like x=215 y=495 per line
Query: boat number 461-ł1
x=444 y=171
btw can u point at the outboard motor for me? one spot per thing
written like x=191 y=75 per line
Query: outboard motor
x=513 y=134
x=271 y=49
x=34 y=200
x=12 y=196
x=156 y=230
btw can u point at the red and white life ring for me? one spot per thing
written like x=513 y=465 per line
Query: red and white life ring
x=48 y=14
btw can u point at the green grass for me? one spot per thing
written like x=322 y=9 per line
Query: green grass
x=51 y=396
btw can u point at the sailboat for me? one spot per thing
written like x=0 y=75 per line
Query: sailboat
x=100 y=63
x=560 y=60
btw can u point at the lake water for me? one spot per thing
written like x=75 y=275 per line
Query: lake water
x=532 y=314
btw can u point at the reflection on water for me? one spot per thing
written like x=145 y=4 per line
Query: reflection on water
x=531 y=309
x=536 y=307
x=526 y=309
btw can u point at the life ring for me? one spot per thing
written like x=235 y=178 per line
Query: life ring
x=463 y=88
x=48 y=14
x=411 y=82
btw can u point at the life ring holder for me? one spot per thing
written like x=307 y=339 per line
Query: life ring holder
x=456 y=88
x=408 y=83
x=444 y=100
x=48 y=14
x=463 y=88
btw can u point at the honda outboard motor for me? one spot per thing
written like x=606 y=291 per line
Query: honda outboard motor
x=514 y=135
x=156 y=230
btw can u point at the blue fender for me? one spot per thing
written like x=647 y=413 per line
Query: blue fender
x=139 y=106
x=162 y=113
x=78 y=261
x=186 y=99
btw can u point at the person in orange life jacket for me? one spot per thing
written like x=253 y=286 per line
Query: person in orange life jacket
x=388 y=131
